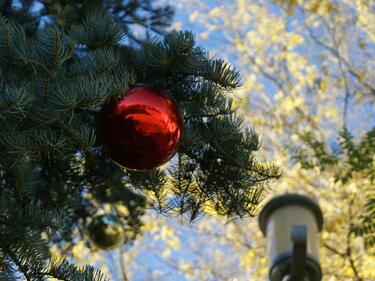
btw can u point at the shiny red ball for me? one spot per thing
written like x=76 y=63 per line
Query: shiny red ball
x=142 y=129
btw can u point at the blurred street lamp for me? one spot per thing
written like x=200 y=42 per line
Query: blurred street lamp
x=291 y=223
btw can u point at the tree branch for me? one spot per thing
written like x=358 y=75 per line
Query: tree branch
x=340 y=58
x=349 y=253
x=23 y=268
x=122 y=267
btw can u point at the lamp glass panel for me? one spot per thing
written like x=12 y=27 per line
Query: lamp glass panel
x=279 y=227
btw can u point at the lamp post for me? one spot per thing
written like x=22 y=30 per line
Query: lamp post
x=291 y=223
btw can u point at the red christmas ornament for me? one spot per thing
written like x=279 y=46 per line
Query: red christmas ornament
x=142 y=129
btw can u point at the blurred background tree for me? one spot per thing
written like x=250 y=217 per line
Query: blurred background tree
x=309 y=89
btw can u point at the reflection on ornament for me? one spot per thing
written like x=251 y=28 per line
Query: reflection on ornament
x=141 y=130
x=106 y=232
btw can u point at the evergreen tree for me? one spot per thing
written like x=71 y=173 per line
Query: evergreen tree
x=60 y=61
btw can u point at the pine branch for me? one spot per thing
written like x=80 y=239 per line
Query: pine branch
x=63 y=270
x=221 y=73
x=23 y=268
